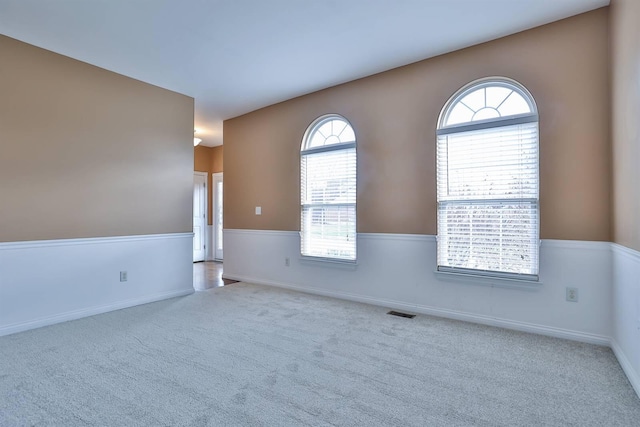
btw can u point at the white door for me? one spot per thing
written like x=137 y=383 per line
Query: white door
x=217 y=215
x=199 y=215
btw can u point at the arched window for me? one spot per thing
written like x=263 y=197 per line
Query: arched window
x=328 y=189
x=488 y=182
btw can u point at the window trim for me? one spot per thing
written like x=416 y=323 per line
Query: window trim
x=480 y=84
x=442 y=129
x=304 y=151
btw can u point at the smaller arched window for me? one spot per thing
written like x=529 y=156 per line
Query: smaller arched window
x=328 y=189
x=487 y=181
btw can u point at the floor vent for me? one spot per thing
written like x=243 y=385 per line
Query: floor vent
x=401 y=314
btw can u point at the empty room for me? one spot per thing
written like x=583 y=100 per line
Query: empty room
x=429 y=210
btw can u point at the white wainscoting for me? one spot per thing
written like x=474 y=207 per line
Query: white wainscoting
x=625 y=337
x=46 y=282
x=397 y=271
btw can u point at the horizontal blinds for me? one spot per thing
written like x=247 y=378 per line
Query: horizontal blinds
x=328 y=202
x=488 y=200
x=495 y=163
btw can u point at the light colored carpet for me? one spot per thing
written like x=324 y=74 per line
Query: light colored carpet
x=251 y=355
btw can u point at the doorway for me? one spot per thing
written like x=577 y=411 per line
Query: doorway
x=217 y=217
x=199 y=216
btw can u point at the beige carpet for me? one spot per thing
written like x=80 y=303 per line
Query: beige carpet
x=251 y=355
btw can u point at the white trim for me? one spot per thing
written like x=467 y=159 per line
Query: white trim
x=627 y=367
x=90 y=240
x=625 y=251
x=483 y=83
x=489 y=280
x=215 y=177
x=85 y=312
x=205 y=229
x=387 y=236
x=552 y=243
x=432 y=311
x=519 y=119
x=330 y=147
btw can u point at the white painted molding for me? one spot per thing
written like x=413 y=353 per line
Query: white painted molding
x=450 y=314
x=552 y=243
x=627 y=367
x=91 y=241
x=92 y=311
x=625 y=251
x=492 y=281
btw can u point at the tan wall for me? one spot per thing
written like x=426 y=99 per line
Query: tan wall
x=625 y=124
x=217 y=159
x=85 y=152
x=209 y=160
x=394 y=114
x=202 y=161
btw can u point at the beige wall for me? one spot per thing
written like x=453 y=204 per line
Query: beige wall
x=217 y=159
x=625 y=124
x=85 y=152
x=202 y=159
x=394 y=114
x=209 y=160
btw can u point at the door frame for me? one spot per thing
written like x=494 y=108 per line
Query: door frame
x=214 y=222
x=205 y=231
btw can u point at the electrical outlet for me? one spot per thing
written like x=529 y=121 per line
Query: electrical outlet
x=572 y=294
x=287 y=263
x=123 y=276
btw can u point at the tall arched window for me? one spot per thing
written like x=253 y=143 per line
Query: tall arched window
x=488 y=182
x=328 y=189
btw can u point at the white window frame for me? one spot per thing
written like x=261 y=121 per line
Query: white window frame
x=443 y=129
x=305 y=151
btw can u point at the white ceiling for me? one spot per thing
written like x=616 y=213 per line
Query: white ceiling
x=235 y=56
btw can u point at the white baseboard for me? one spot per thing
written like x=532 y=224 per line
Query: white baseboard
x=86 y=312
x=449 y=314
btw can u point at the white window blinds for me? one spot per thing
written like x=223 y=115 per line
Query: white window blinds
x=488 y=198
x=328 y=197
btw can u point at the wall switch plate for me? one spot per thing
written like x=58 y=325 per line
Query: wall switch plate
x=258 y=210
x=123 y=276
x=572 y=294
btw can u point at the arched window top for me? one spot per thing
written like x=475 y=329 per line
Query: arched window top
x=488 y=100
x=328 y=130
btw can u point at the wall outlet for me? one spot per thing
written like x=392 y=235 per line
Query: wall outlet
x=258 y=210
x=572 y=294
x=287 y=262
x=123 y=276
